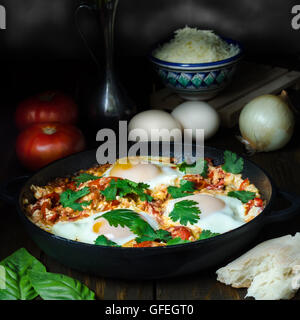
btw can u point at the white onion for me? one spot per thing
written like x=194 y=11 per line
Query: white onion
x=266 y=123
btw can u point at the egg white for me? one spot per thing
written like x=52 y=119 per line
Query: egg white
x=82 y=230
x=166 y=175
x=229 y=217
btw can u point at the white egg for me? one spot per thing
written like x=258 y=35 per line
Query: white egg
x=197 y=115
x=89 y=229
x=154 y=173
x=218 y=213
x=149 y=122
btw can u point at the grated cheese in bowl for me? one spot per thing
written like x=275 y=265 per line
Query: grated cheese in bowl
x=191 y=45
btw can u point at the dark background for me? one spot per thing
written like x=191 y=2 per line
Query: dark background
x=41 y=47
x=46 y=29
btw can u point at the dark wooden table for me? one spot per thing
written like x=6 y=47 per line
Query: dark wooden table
x=282 y=166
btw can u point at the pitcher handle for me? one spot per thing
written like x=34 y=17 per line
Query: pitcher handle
x=86 y=44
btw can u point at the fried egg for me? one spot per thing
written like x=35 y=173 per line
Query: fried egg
x=218 y=213
x=154 y=174
x=89 y=229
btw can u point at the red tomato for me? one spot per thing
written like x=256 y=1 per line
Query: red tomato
x=180 y=231
x=43 y=143
x=145 y=244
x=244 y=184
x=50 y=106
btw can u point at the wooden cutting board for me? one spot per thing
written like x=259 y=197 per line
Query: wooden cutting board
x=250 y=81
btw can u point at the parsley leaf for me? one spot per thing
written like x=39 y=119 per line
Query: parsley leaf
x=84 y=177
x=186 y=188
x=69 y=197
x=103 y=241
x=123 y=187
x=160 y=235
x=176 y=240
x=185 y=211
x=244 y=196
x=205 y=234
x=232 y=163
x=130 y=219
x=110 y=192
x=199 y=167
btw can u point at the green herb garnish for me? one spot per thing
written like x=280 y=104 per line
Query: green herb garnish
x=199 y=167
x=123 y=187
x=205 y=234
x=103 y=241
x=176 y=240
x=84 y=177
x=186 y=211
x=232 y=163
x=186 y=188
x=160 y=235
x=69 y=197
x=110 y=192
x=130 y=219
x=244 y=196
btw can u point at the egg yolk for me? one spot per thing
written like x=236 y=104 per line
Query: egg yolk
x=140 y=172
x=102 y=227
x=97 y=226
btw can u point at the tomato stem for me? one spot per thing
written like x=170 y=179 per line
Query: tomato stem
x=49 y=130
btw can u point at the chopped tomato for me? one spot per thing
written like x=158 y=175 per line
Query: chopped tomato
x=218 y=185
x=151 y=207
x=249 y=205
x=102 y=183
x=244 y=184
x=48 y=215
x=54 y=197
x=209 y=160
x=211 y=174
x=146 y=244
x=52 y=217
x=115 y=203
x=71 y=185
x=182 y=232
x=197 y=179
x=45 y=205
x=258 y=202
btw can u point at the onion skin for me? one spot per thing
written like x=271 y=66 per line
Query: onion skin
x=266 y=123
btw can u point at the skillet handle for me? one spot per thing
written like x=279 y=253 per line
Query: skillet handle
x=288 y=213
x=10 y=189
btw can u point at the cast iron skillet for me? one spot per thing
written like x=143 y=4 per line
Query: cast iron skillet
x=157 y=262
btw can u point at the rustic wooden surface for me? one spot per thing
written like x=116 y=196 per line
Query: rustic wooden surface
x=283 y=167
x=250 y=81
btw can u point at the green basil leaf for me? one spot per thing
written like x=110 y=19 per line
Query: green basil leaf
x=52 y=286
x=18 y=285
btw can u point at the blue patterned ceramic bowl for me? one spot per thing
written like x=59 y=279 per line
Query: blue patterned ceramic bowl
x=198 y=81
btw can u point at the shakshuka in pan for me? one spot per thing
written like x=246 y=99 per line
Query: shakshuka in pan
x=147 y=202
